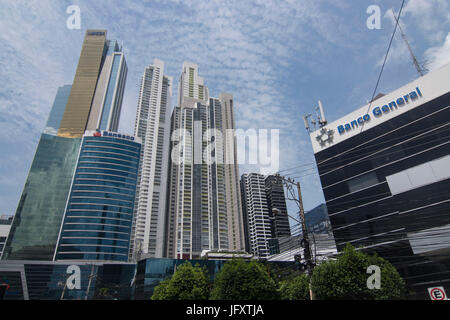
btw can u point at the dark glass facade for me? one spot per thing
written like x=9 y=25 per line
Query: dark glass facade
x=48 y=281
x=36 y=224
x=357 y=177
x=104 y=280
x=150 y=272
x=276 y=200
x=317 y=220
x=98 y=218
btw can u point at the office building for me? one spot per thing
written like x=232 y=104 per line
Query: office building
x=265 y=213
x=385 y=176
x=98 y=86
x=153 y=128
x=204 y=211
x=102 y=280
x=38 y=216
x=108 y=96
x=99 y=212
x=317 y=220
x=57 y=111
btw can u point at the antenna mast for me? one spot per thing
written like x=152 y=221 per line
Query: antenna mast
x=419 y=69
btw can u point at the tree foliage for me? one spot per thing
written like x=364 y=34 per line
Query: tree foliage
x=241 y=280
x=346 y=278
x=187 y=283
x=295 y=289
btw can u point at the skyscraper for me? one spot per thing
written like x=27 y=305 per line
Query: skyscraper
x=153 y=127
x=276 y=200
x=256 y=213
x=204 y=211
x=98 y=86
x=78 y=106
x=99 y=212
x=57 y=111
x=107 y=102
x=191 y=87
x=261 y=195
x=36 y=223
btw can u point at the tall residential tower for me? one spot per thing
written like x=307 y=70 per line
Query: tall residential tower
x=261 y=195
x=204 y=211
x=153 y=127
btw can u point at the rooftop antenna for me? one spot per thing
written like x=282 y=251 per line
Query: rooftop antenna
x=419 y=69
x=320 y=115
x=321 y=118
x=305 y=120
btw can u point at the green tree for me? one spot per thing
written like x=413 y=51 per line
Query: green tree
x=347 y=277
x=187 y=283
x=295 y=289
x=241 y=280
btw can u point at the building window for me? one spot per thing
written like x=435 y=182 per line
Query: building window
x=361 y=182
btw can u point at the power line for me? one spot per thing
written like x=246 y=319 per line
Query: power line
x=384 y=62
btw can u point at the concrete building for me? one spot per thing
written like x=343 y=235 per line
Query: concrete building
x=204 y=211
x=264 y=211
x=153 y=128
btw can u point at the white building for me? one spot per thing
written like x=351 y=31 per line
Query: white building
x=204 y=209
x=153 y=127
x=256 y=210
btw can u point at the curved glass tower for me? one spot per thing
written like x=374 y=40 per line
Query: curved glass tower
x=99 y=212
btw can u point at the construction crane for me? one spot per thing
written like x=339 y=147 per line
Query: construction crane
x=419 y=69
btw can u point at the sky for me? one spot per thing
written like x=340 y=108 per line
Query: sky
x=277 y=58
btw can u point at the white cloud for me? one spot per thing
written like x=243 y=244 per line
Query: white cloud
x=428 y=14
x=439 y=55
x=244 y=47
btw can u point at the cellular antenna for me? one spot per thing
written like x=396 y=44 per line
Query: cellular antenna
x=305 y=120
x=322 y=120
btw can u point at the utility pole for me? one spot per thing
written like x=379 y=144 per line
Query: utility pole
x=305 y=241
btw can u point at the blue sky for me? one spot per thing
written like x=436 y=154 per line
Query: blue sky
x=276 y=57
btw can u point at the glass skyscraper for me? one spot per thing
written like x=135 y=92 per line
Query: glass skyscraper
x=38 y=217
x=98 y=217
x=94 y=99
x=56 y=114
x=107 y=101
